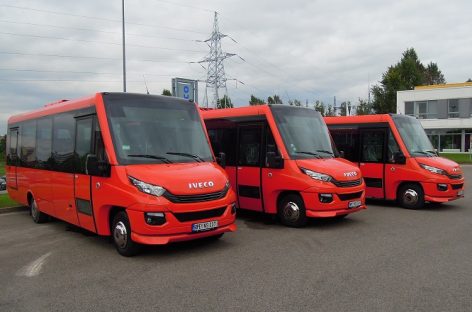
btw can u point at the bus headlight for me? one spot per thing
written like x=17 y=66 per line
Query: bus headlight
x=147 y=188
x=433 y=169
x=317 y=175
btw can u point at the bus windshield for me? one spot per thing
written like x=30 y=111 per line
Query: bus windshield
x=303 y=131
x=414 y=136
x=153 y=129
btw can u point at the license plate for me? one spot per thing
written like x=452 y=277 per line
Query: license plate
x=354 y=204
x=204 y=226
x=460 y=193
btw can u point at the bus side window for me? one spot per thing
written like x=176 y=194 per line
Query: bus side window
x=347 y=141
x=12 y=155
x=250 y=146
x=224 y=140
x=99 y=147
x=271 y=146
x=63 y=142
x=83 y=143
x=28 y=144
x=392 y=149
x=44 y=143
x=373 y=146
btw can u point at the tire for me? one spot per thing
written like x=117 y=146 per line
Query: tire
x=36 y=215
x=411 y=196
x=121 y=235
x=291 y=211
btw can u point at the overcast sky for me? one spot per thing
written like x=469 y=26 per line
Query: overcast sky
x=299 y=49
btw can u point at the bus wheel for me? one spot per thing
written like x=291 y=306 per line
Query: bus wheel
x=121 y=232
x=38 y=216
x=291 y=211
x=411 y=196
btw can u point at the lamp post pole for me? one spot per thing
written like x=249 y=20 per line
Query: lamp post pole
x=124 y=51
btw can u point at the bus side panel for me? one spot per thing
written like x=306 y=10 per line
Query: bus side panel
x=40 y=184
x=231 y=171
x=63 y=197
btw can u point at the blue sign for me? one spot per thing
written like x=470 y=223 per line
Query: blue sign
x=186 y=89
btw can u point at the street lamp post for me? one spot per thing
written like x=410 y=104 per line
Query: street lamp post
x=124 y=51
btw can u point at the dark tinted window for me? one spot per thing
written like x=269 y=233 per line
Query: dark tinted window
x=347 y=141
x=44 y=143
x=83 y=143
x=392 y=148
x=99 y=147
x=271 y=146
x=63 y=142
x=372 y=149
x=224 y=140
x=12 y=151
x=28 y=143
x=250 y=146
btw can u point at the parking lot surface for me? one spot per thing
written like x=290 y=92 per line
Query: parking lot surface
x=382 y=259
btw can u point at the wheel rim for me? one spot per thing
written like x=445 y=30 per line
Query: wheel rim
x=34 y=210
x=120 y=234
x=410 y=197
x=291 y=212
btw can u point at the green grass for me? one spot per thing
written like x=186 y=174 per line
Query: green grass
x=2 y=167
x=461 y=158
x=6 y=201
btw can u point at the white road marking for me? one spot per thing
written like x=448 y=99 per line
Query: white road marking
x=33 y=268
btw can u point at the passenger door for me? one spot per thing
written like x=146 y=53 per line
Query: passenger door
x=372 y=158
x=249 y=166
x=12 y=160
x=82 y=181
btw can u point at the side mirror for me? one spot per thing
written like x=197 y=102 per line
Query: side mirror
x=274 y=161
x=221 y=160
x=399 y=158
x=95 y=167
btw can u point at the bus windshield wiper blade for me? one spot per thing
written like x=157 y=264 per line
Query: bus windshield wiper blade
x=196 y=157
x=325 y=151
x=310 y=153
x=164 y=159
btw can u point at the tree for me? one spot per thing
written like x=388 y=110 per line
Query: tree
x=274 y=99
x=256 y=101
x=294 y=103
x=3 y=146
x=166 y=92
x=224 y=102
x=345 y=107
x=330 y=111
x=363 y=108
x=319 y=106
x=405 y=75
x=469 y=80
x=433 y=75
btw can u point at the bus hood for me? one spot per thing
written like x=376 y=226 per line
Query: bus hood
x=451 y=167
x=181 y=179
x=338 y=168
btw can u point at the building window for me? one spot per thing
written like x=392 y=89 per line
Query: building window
x=410 y=108
x=426 y=109
x=453 y=108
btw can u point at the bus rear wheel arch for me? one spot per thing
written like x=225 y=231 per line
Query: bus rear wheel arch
x=36 y=214
x=291 y=210
x=410 y=195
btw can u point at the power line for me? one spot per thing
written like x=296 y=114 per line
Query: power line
x=97 y=18
x=94 y=30
x=85 y=57
x=185 y=5
x=100 y=42
x=77 y=72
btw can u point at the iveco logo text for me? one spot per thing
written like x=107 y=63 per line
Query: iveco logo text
x=195 y=185
x=455 y=169
x=350 y=174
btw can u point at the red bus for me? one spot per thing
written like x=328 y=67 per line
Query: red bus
x=137 y=167
x=280 y=160
x=397 y=159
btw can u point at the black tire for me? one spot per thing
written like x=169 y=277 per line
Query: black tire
x=121 y=235
x=36 y=215
x=411 y=196
x=291 y=211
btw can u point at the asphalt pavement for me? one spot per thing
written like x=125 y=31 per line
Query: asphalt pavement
x=382 y=259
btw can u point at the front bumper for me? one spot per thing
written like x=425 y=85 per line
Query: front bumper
x=455 y=190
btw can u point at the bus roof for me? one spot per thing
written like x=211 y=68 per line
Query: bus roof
x=55 y=108
x=236 y=112
x=359 y=119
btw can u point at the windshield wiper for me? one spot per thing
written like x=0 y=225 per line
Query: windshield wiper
x=427 y=153
x=164 y=159
x=196 y=157
x=325 y=151
x=310 y=153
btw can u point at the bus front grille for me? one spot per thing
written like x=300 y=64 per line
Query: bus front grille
x=199 y=215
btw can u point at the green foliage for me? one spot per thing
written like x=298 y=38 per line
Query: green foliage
x=363 y=108
x=224 y=102
x=274 y=99
x=256 y=101
x=405 y=75
x=329 y=111
x=2 y=167
x=166 y=92
x=294 y=103
x=461 y=158
x=6 y=201
x=3 y=146
x=319 y=106
x=345 y=106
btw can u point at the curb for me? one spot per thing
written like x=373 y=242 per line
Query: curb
x=13 y=209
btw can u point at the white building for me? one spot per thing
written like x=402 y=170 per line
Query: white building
x=445 y=111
